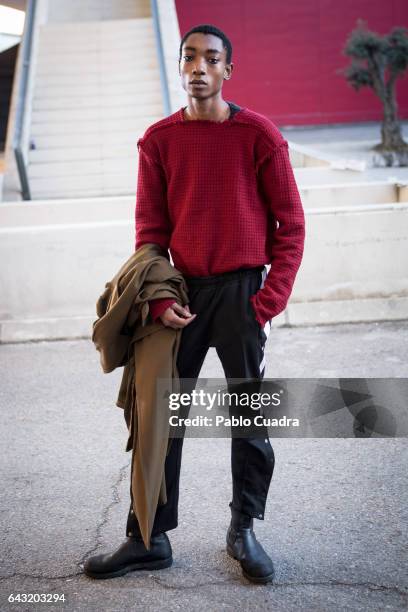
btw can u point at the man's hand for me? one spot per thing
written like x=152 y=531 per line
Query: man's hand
x=177 y=316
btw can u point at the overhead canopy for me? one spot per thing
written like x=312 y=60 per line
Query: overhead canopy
x=17 y=4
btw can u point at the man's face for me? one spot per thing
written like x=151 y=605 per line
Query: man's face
x=203 y=58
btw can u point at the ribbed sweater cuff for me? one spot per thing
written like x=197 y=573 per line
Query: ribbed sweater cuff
x=158 y=306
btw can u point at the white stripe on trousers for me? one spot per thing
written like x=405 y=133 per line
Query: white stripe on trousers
x=266 y=328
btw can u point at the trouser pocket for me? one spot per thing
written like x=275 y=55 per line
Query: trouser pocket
x=251 y=285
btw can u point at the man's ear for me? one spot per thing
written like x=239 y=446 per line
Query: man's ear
x=228 y=71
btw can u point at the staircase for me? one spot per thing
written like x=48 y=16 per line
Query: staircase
x=96 y=89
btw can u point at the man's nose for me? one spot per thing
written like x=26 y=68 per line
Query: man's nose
x=198 y=69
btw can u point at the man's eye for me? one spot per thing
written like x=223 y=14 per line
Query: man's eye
x=187 y=58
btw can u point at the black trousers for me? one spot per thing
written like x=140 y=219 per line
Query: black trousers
x=225 y=320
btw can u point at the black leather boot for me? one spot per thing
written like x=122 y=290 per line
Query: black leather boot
x=131 y=555
x=243 y=546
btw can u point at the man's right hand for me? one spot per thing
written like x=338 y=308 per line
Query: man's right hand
x=177 y=316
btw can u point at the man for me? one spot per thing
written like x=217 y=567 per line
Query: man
x=216 y=188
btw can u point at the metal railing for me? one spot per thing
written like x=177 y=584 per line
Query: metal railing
x=22 y=99
x=160 y=53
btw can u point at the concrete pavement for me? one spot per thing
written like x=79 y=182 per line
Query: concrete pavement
x=336 y=520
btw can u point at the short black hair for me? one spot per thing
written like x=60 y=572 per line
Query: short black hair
x=207 y=28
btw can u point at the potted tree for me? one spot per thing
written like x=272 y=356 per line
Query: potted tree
x=377 y=61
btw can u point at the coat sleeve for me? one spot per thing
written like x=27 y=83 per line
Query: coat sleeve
x=152 y=222
x=278 y=186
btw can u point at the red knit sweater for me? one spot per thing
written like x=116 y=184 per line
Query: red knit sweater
x=221 y=196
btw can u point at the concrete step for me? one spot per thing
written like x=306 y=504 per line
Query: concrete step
x=325 y=175
x=320 y=176
x=126 y=75
x=56 y=95
x=84 y=68
x=73 y=211
x=115 y=59
x=81 y=10
x=100 y=190
x=129 y=41
x=71 y=32
x=113 y=100
x=100 y=150
x=101 y=32
x=331 y=195
x=70 y=81
x=98 y=49
x=83 y=117
x=122 y=32
x=82 y=168
x=85 y=16
x=91 y=185
x=132 y=124
x=98 y=137
x=96 y=27
x=54 y=92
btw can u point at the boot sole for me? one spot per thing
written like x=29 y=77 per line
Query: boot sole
x=147 y=565
x=257 y=579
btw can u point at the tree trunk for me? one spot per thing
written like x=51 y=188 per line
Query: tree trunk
x=391 y=129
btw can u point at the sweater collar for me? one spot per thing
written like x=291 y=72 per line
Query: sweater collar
x=234 y=108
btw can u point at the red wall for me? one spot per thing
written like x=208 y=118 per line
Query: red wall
x=286 y=54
